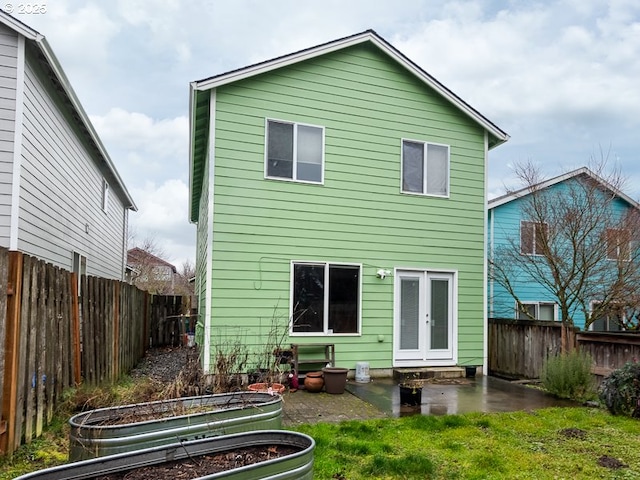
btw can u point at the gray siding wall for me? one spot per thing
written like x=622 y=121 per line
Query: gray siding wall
x=8 y=67
x=61 y=195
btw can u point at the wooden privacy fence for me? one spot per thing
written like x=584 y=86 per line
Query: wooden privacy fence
x=519 y=348
x=57 y=332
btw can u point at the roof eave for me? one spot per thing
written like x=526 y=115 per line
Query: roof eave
x=43 y=45
x=366 y=36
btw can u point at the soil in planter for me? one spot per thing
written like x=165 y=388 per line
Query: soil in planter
x=152 y=414
x=202 y=465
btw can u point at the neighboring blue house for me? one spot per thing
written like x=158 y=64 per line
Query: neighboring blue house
x=511 y=232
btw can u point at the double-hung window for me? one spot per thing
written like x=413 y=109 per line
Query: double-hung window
x=294 y=151
x=532 y=235
x=618 y=244
x=425 y=168
x=325 y=298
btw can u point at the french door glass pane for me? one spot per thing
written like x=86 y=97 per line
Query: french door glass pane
x=308 y=298
x=343 y=298
x=309 y=144
x=437 y=169
x=412 y=167
x=439 y=318
x=409 y=313
x=280 y=150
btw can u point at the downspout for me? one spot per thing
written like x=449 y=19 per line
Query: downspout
x=485 y=330
x=17 y=147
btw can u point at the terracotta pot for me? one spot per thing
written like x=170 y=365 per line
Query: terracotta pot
x=266 y=387
x=313 y=382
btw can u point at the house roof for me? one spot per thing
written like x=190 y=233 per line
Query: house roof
x=523 y=192
x=57 y=76
x=138 y=256
x=200 y=96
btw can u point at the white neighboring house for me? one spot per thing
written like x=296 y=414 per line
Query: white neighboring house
x=61 y=198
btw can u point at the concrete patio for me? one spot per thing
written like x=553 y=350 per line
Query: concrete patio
x=381 y=398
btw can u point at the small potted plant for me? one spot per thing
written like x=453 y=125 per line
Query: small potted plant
x=411 y=391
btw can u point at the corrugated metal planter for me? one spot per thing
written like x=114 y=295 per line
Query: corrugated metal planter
x=298 y=465
x=94 y=434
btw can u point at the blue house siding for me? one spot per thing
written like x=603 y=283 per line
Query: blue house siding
x=503 y=229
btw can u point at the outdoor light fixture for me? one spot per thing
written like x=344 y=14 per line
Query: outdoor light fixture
x=382 y=273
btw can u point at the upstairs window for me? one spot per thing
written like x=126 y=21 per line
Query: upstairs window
x=326 y=298
x=532 y=236
x=618 y=244
x=105 y=195
x=295 y=152
x=425 y=168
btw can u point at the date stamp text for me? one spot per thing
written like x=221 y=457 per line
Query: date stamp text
x=25 y=8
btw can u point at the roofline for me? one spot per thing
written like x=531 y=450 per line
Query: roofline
x=192 y=133
x=39 y=39
x=368 y=35
x=523 y=192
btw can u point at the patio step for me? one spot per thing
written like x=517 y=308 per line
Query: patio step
x=423 y=373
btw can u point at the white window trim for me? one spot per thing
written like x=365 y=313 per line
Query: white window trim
x=537 y=309
x=295 y=151
x=105 y=195
x=591 y=307
x=424 y=159
x=535 y=224
x=619 y=256
x=325 y=332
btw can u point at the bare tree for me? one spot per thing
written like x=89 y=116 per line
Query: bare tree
x=578 y=242
x=151 y=272
x=184 y=281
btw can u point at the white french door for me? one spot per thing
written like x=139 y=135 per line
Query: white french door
x=424 y=327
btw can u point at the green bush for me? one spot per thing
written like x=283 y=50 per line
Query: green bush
x=568 y=375
x=620 y=391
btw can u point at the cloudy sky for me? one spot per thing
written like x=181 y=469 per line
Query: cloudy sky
x=562 y=78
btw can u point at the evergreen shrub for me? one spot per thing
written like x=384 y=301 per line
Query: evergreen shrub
x=620 y=391
x=568 y=375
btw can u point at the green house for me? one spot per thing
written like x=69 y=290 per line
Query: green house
x=339 y=193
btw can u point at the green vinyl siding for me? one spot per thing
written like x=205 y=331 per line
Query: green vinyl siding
x=367 y=104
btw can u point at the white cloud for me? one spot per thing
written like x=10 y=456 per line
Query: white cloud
x=163 y=215
x=559 y=76
x=138 y=143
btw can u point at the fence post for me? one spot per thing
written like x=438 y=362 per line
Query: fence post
x=75 y=330
x=12 y=344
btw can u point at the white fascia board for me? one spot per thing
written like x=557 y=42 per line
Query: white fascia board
x=496 y=202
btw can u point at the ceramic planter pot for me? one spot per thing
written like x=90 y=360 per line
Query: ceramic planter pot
x=335 y=379
x=297 y=465
x=313 y=382
x=108 y=431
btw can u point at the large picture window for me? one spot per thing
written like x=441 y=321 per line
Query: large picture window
x=425 y=168
x=294 y=151
x=326 y=298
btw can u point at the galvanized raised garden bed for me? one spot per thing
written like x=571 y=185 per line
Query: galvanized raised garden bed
x=297 y=465
x=107 y=431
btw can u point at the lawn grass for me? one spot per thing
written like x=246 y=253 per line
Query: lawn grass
x=553 y=443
